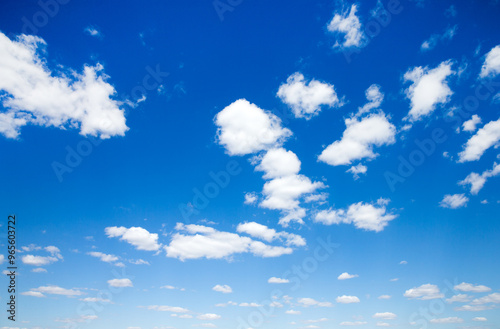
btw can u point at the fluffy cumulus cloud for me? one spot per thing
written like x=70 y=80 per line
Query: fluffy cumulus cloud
x=357 y=170
x=277 y=280
x=345 y=276
x=491 y=66
x=460 y=298
x=312 y=302
x=136 y=236
x=305 y=99
x=428 y=89
x=278 y=163
x=424 y=292
x=385 y=315
x=454 y=201
x=225 y=289
x=352 y=323
x=476 y=181
x=121 y=283
x=486 y=137
x=347 y=27
x=208 y=316
x=469 y=287
x=103 y=257
x=366 y=216
x=263 y=232
x=491 y=298
x=197 y=241
x=38 y=260
x=347 y=299
x=374 y=97
x=52 y=290
x=471 y=124
x=244 y=128
x=33 y=94
x=359 y=139
x=283 y=193
x=434 y=39
x=250 y=198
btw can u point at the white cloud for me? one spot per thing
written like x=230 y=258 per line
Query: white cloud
x=491 y=66
x=277 y=280
x=2 y=258
x=93 y=31
x=249 y=305
x=36 y=95
x=403 y=262
x=347 y=24
x=293 y=312
x=345 y=276
x=250 y=198
x=491 y=298
x=207 y=242
x=306 y=98
x=366 y=216
x=165 y=308
x=33 y=294
x=136 y=236
x=460 y=298
x=385 y=315
x=382 y=324
x=39 y=270
x=347 y=299
x=38 y=260
x=103 y=257
x=55 y=290
x=358 y=140
x=205 y=325
x=208 y=316
x=479 y=318
x=424 y=292
x=263 y=232
x=244 y=128
x=139 y=262
x=225 y=289
x=432 y=42
x=375 y=98
x=447 y=320
x=477 y=181
x=475 y=308
x=384 y=297
x=353 y=323
x=429 y=88
x=356 y=170
x=454 y=201
x=278 y=163
x=485 y=138
x=312 y=302
x=471 y=124
x=120 y=283
x=283 y=193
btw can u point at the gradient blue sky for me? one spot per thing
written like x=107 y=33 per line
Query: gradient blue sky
x=115 y=117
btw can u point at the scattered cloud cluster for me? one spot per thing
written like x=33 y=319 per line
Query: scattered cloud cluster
x=348 y=26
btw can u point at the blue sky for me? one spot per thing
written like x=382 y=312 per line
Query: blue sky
x=246 y=164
